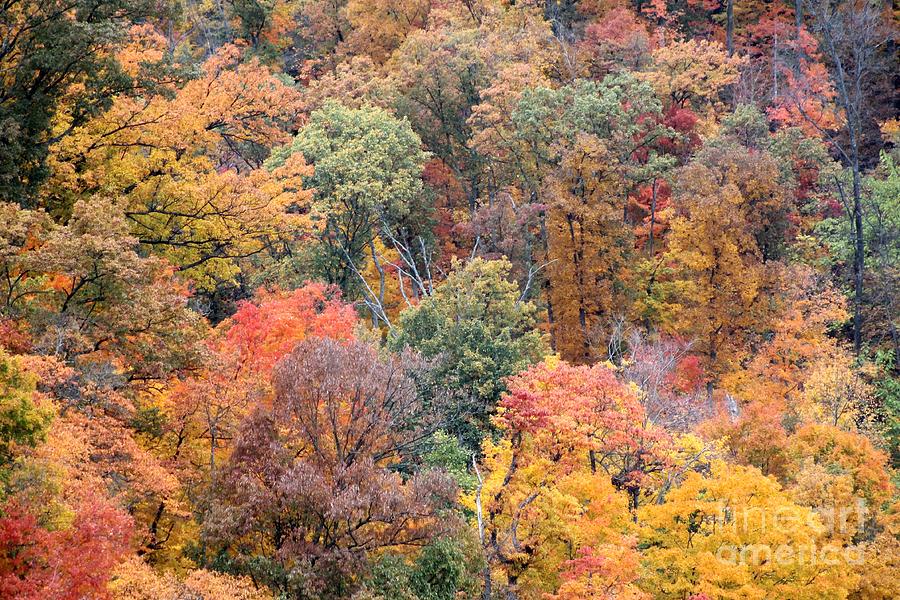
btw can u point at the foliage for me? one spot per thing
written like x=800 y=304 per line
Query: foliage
x=84 y=290
x=547 y=491
x=367 y=181
x=729 y=215
x=56 y=63
x=716 y=534
x=193 y=193
x=433 y=299
x=308 y=489
x=23 y=422
x=478 y=331
x=74 y=562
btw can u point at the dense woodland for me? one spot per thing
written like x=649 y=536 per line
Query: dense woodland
x=449 y=299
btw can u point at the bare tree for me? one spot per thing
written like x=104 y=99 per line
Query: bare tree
x=851 y=35
x=651 y=364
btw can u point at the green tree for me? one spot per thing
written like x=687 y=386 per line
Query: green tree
x=55 y=54
x=22 y=422
x=880 y=219
x=368 y=168
x=478 y=331
x=85 y=289
x=445 y=569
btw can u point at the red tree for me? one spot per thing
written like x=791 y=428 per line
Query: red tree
x=64 y=564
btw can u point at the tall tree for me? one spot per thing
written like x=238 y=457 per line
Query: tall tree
x=309 y=489
x=56 y=56
x=851 y=37
x=575 y=149
x=186 y=163
x=368 y=183
x=478 y=330
x=547 y=491
x=727 y=228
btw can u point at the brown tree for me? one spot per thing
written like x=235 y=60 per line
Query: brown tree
x=313 y=484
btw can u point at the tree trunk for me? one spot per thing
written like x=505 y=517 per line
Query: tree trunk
x=212 y=450
x=858 y=252
x=729 y=27
x=545 y=247
x=652 y=217
x=511 y=586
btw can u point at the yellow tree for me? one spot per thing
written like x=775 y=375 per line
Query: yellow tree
x=186 y=166
x=734 y=533
x=692 y=73
x=377 y=28
x=808 y=306
x=842 y=474
x=573 y=149
x=838 y=393
x=588 y=247
x=134 y=579
x=724 y=232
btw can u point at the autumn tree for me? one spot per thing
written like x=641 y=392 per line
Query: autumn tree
x=717 y=534
x=378 y=28
x=691 y=73
x=835 y=468
x=727 y=227
x=134 y=579
x=309 y=489
x=104 y=323
x=240 y=356
x=602 y=573
x=436 y=76
x=576 y=147
x=598 y=412
x=186 y=163
x=850 y=37
x=799 y=343
x=193 y=423
x=267 y=328
x=84 y=289
x=92 y=444
x=510 y=229
x=71 y=562
x=547 y=491
x=22 y=421
x=441 y=76
x=74 y=76
x=616 y=42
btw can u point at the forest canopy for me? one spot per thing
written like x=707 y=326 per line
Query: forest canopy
x=449 y=299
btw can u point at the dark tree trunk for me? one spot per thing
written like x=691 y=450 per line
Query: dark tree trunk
x=729 y=26
x=652 y=217
x=858 y=254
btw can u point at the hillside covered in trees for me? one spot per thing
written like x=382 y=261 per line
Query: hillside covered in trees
x=449 y=300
